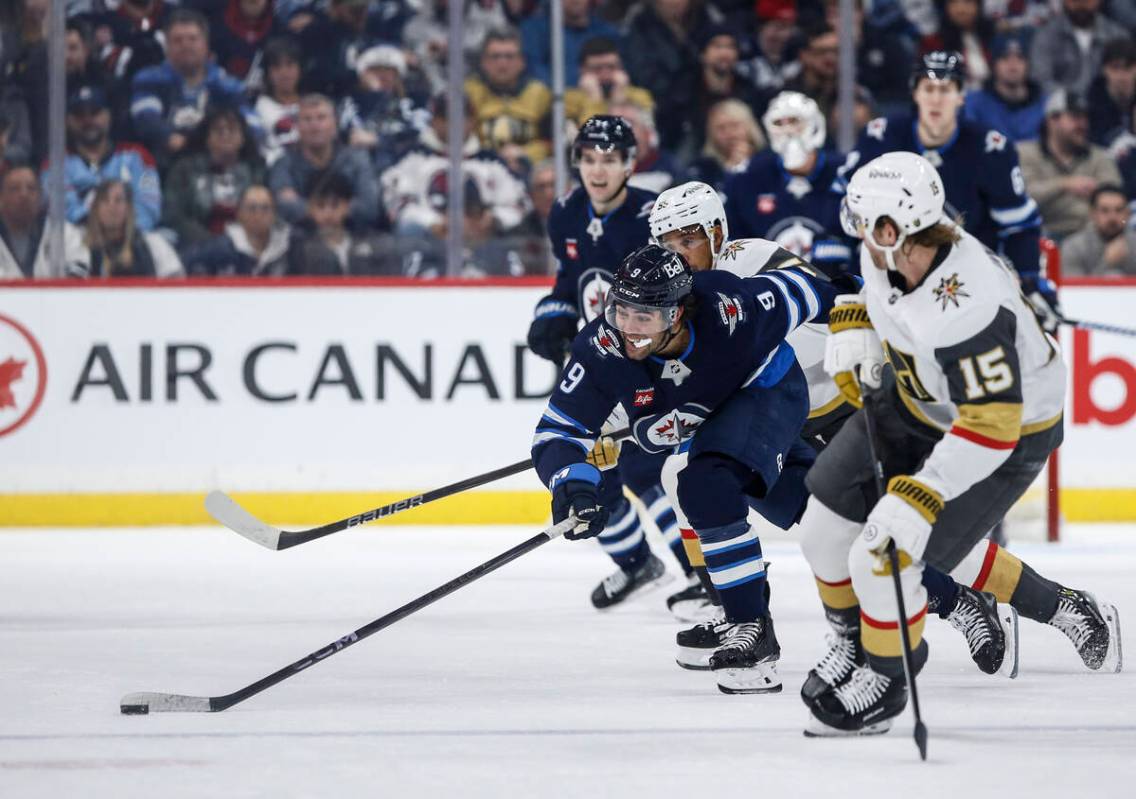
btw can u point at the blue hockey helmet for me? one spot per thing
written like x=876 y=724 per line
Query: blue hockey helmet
x=940 y=65
x=605 y=133
x=647 y=290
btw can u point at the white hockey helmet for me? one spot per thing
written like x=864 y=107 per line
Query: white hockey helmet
x=904 y=187
x=692 y=203
x=795 y=126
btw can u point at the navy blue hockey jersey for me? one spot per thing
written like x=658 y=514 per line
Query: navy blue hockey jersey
x=737 y=341
x=802 y=214
x=984 y=182
x=588 y=249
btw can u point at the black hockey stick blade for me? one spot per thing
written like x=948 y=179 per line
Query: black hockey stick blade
x=145 y=702
x=229 y=512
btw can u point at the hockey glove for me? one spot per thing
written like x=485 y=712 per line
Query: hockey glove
x=605 y=453
x=581 y=500
x=1042 y=295
x=905 y=515
x=552 y=330
x=853 y=354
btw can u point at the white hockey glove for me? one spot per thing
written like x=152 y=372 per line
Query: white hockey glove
x=853 y=355
x=905 y=515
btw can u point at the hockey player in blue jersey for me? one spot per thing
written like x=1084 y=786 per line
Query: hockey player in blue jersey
x=978 y=165
x=699 y=360
x=790 y=193
x=591 y=230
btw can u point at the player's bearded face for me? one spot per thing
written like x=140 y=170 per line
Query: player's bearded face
x=691 y=243
x=644 y=332
x=603 y=174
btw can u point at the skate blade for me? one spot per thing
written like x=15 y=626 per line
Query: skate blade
x=694 y=611
x=694 y=659
x=1008 y=621
x=760 y=679
x=1114 y=657
x=815 y=728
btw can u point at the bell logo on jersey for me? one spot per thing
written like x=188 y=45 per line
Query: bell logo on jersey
x=766 y=203
x=572 y=249
x=949 y=290
x=643 y=397
x=606 y=342
x=731 y=311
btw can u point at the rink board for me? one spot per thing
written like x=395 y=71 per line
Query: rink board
x=124 y=404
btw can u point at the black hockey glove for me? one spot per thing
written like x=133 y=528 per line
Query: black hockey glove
x=1042 y=295
x=552 y=331
x=581 y=499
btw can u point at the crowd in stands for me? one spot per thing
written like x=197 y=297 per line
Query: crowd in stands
x=309 y=137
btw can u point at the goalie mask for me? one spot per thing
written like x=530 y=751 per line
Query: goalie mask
x=796 y=128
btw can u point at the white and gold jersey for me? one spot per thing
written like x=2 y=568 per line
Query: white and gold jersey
x=748 y=257
x=970 y=360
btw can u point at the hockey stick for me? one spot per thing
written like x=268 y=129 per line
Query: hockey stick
x=1101 y=326
x=151 y=702
x=893 y=558
x=228 y=512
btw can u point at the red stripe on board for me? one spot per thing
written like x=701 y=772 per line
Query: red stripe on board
x=891 y=625
x=987 y=565
x=981 y=440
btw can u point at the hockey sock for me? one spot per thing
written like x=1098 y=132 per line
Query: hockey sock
x=1035 y=597
x=892 y=666
x=1012 y=581
x=708 y=584
x=841 y=607
x=737 y=570
x=623 y=537
x=942 y=591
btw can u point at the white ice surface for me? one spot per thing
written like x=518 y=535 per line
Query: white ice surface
x=514 y=686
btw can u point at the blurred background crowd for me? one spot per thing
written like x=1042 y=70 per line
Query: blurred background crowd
x=309 y=137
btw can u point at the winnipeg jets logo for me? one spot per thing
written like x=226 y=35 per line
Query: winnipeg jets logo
x=796 y=234
x=594 y=285
x=675 y=371
x=949 y=290
x=606 y=342
x=666 y=431
x=731 y=311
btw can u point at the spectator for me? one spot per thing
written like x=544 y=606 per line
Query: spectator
x=406 y=186
x=129 y=37
x=1066 y=51
x=580 y=25
x=719 y=80
x=542 y=194
x=1113 y=92
x=332 y=41
x=23 y=243
x=884 y=51
x=732 y=138
x=169 y=100
x=115 y=246
x=656 y=169
x=256 y=243
x=318 y=150
x=23 y=90
x=818 y=57
x=239 y=30
x=602 y=82
x=512 y=111
x=964 y=28
x=378 y=116
x=14 y=110
x=278 y=108
x=80 y=63
x=427 y=35
x=326 y=246
x=203 y=187
x=1105 y=246
x=93 y=157
x=5 y=164
x=770 y=66
x=661 y=57
x=1062 y=169
x=1010 y=101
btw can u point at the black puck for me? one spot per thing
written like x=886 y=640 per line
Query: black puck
x=134 y=710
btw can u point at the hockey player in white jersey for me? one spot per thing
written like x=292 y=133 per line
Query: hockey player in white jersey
x=690 y=219
x=967 y=412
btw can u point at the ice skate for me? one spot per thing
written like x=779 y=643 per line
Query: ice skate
x=1092 y=626
x=991 y=631
x=696 y=645
x=864 y=704
x=836 y=666
x=692 y=604
x=746 y=663
x=620 y=585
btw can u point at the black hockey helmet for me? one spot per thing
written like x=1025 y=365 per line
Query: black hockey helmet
x=940 y=65
x=605 y=133
x=652 y=281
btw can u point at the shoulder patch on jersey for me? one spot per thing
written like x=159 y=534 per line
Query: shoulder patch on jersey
x=949 y=291
x=732 y=250
x=606 y=342
x=877 y=127
x=572 y=248
x=766 y=203
x=731 y=311
x=995 y=141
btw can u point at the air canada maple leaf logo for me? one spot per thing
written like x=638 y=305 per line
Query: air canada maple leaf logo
x=11 y=370
x=949 y=290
